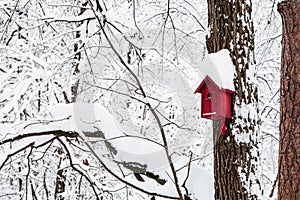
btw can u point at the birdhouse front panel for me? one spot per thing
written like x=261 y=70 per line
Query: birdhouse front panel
x=209 y=102
x=205 y=102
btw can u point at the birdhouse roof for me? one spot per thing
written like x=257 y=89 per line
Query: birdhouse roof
x=207 y=80
x=220 y=69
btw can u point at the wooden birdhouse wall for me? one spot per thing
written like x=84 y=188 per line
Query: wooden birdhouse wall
x=215 y=101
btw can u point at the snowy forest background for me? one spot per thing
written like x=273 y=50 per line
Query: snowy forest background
x=57 y=54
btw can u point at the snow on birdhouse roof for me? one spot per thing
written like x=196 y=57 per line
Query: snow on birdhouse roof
x=219 y=67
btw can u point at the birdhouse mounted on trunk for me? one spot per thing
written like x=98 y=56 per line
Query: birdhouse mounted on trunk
x=216 y=102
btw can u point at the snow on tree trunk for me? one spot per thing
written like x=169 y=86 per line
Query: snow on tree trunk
x=289 y=146
x=77 y=57
x=236 y=155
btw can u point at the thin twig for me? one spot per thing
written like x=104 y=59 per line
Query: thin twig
x=77 y=170
x=273 y=187
x=122 y=180
x=16 y=152
x=188 y=174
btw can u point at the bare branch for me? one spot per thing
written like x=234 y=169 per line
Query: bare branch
x=188 y=174
x=16 y=152
x=122 y=180
x=57 y=133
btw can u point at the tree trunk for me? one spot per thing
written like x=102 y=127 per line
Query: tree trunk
x=235 y=155
x=289 y=145
x=77 y=57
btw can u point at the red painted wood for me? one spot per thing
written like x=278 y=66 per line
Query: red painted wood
x=223 y=127
x=216 y=102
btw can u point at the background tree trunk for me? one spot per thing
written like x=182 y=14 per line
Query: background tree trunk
x=289 y=146
x=235 y=155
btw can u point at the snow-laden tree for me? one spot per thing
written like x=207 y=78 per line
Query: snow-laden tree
x=267 y=27
x=39 y=59
x=236 y=156
x=72 y=51
x=137 y=59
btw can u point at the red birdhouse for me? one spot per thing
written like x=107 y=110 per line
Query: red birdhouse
x=216 y=102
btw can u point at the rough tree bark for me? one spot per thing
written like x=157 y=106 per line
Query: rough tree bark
x=235 y=155
x=289 y=145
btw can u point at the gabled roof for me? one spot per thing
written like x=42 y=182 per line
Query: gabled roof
x=207 y=80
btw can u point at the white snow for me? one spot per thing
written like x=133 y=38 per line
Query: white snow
x=45 y=56
x=219 y=67
x=212 y=113
x=201 y=183
x=93 y=117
